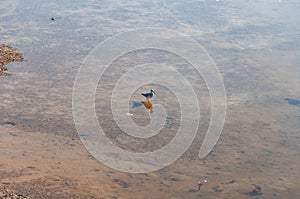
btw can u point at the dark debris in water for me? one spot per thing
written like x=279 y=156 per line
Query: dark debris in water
x=229 y=182
x=292 y=101
x=217 y=189
x=54 y=18
x=9 y=123
x=255 y=192
x=174 y=179
x=192 y=190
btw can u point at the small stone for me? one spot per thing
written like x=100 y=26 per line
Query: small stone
x=217 y=189
x=256 y=191
x=175 y=179
x=122 y=183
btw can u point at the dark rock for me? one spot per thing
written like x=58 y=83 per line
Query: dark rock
x=192 y=190
x=2 y=68
x=12 y=134
x=122 y=183
x=217 y=189
x=175 y=179
x=256 y=191
x=230 y=182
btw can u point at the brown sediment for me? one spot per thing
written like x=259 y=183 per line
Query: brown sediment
x=7 y=55
x=7 y=194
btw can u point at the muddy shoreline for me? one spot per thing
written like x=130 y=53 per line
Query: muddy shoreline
x=8 y=54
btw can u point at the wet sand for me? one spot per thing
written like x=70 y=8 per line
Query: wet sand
x=43 y=165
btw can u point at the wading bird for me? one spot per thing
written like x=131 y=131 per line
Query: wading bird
x=148 y=95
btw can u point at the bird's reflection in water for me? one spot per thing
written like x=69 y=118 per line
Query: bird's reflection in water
x=148 y=105
x=136 y=104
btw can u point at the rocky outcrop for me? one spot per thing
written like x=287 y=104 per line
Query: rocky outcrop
x=7 y=55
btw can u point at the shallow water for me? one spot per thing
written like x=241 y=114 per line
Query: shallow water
x=255 y=45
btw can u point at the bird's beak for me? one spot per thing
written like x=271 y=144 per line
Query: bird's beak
x=154 y=92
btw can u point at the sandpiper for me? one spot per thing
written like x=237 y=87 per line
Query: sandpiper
x=148 y=95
